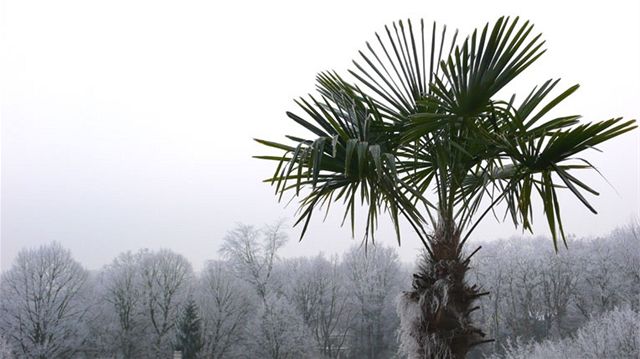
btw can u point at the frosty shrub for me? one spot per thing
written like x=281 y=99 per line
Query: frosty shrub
x=613 y=335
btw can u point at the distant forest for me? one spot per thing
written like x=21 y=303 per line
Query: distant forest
x=582 y=302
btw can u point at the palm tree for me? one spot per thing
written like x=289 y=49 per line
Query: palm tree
x=421 y=133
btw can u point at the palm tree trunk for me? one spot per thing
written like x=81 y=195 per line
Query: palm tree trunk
x=436 y=314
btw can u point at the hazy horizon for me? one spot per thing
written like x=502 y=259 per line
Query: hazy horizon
x=289 y=251
x=129 y=125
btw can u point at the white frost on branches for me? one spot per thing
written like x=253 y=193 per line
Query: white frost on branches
x=42 y=304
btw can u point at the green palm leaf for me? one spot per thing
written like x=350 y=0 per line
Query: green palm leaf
x=352 y=159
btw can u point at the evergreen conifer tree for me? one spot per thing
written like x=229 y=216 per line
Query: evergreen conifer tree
x=189 y=331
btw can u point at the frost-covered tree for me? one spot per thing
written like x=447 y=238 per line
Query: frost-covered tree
x=559 y=279
x=165 y=281
x=601 y=286
x=373 y=281
x=42 y=303
x=318 y=289
x=226 y=304
x=121 y=291
x=5 y=349
x=622 y=259
x=278 y=331
x=305 y=284
x=252 y=254
x=189 y=331
x=627 y=252
x=532 y=290
x=539 y=295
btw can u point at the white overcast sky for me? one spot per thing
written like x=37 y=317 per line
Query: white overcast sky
x=129 y=124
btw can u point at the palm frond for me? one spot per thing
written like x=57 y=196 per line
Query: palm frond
x=484 y=64
x=400 y=66
x=352 y=159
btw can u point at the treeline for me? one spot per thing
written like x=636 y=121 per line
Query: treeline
x=251 y=304
x=537 y=295
x=254 y=304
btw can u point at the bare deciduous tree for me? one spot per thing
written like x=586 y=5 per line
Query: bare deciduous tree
x=165 y=281
x=5 y=349
x=318 y=290
x=226 y=307
x=122 y=292
x=278 y=331
x=41 y=303
x=374 y=280
x=252 y=254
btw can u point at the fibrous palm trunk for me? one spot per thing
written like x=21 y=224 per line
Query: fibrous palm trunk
x=435 y=314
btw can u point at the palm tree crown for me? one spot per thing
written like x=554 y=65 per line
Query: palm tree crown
x=423 y=115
